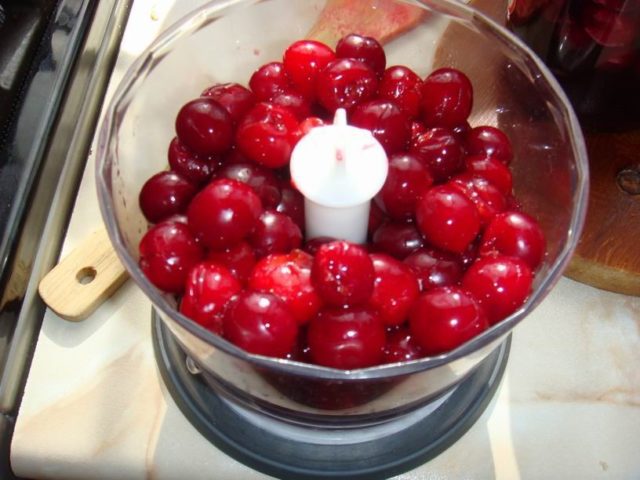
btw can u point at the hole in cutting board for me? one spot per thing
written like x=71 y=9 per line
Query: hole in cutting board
x=86 y=275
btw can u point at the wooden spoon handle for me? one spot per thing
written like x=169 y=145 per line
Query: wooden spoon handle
x=381 y=19
x=84 y=279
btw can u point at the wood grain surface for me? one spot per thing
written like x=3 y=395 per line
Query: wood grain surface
x=84 y=279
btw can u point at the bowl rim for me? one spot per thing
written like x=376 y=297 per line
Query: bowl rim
x=198 y=19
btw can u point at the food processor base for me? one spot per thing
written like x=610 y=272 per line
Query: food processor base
x=284 y=450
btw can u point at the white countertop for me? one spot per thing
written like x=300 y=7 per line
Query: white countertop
x=95 y=406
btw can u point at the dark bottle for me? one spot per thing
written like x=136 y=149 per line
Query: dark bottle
x=593 y=49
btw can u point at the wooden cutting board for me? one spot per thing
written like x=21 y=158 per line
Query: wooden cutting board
x=608 y=255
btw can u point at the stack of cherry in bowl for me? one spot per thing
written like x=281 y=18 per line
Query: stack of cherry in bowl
x=450 y=251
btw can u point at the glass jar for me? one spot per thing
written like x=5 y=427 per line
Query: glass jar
x=593 y=48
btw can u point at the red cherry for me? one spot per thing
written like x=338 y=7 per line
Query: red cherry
x=292 y=204
x=167 y=252
x=500 y=284
x=261 y=179
x=207 y=290
x=461 y=131
x=205 y=127
x=239 y=259
x=395 y=288
x=401 y=347
x=447 y=218
x=397 y=239
x=435 y=268
x=388 y=124
x=343 y=273
x=346 y=338
x=488 y=200
x=269 y=80
x=417 y=129
x=344 y=83
x=223 y=213
x=447 y=98
x=267 y=135
x=261 y=324
x=235 y=98
x=406 y=180
x=470 y=254
x=514 y=234
x=440 y=151
x=165 y=194
x=312 y=245
x=294 y=102
x=274 y=232
x=288 y=277
x=303 y=60
x=188 y=165
x=404 y=87
x=492 y=170
x=486 y=140
x=364 y=49
x=444 y=318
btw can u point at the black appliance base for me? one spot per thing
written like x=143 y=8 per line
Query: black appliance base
x=286 y=451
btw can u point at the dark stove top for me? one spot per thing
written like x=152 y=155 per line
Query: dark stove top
x=54 y=56
x=24 y=54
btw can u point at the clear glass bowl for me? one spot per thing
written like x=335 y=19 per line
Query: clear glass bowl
x=227 y=41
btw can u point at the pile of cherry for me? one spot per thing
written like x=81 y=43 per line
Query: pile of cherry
x=449 y=252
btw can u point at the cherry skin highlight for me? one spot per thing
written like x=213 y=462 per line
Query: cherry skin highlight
x=514 y=234
x=388 y=124
x=435 y=268
x=239 y=259
x=167 y=252
x=447 y=98
x=261 y=179
x=261 y=324
x=267 y=135
x=165 y=194
x=303 y=61
x=447 y=218
x=397 y=239
x=403 y=86
x=205 y=127
x=406 y=181
x=401 y=346
x=274 y=232
x=489 y=141
x=444 y=318
x=395 y=289
x=344 y=83
x=235 y=98
x=223 y=213
x=208 y=288
x=346 y=338
x=500 y=284
x=364 y=49
x=343 y=273
x=288 y=277
x=188 y=165
x=440 y=151
x=268 y=81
